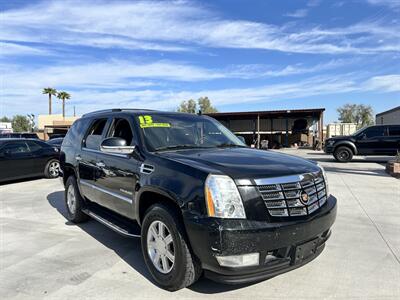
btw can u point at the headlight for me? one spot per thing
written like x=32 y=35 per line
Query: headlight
x=325 y=178
x=330 y=142
x=222 y=198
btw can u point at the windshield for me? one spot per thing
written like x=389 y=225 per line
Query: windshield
x=181 y=131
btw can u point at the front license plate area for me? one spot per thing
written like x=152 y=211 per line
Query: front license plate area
x=304 y=251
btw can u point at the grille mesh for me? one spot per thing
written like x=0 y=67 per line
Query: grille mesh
x=285 y=199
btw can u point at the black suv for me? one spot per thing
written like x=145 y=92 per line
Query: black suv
x=372 y=140
x=199 y=198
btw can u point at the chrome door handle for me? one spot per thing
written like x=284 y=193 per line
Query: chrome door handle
x=100 y=164
x=78 y=158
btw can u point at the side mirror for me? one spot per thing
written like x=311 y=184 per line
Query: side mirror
x=241 y=138
x=116 y=145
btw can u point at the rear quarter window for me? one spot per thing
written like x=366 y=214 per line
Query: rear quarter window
x=75 y=134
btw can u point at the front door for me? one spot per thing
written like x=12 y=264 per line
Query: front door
x=371 y=141
x=117 y=173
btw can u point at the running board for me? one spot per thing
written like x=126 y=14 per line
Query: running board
x=123 y=228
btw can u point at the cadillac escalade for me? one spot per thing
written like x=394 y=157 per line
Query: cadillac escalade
x=200 y=200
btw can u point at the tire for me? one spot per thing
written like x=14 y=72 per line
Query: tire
x=52 y=169
x=185 y=268
x=343 y=154
x=74 y=206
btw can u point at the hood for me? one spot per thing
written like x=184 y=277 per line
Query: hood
x=243 y=163
x=341 y=137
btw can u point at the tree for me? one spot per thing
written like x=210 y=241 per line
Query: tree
x=51 y=92
x=21 y=124
x=63 y=96
x=205 y=105
x=190 y=106
x=360 y=114
x=5 y=119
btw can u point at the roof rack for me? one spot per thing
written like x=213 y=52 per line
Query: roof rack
x=114 y=110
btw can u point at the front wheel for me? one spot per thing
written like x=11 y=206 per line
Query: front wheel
x=166 y=251
x=343 y=154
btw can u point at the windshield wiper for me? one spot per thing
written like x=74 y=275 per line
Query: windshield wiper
x=178 y=147
x=228 y=145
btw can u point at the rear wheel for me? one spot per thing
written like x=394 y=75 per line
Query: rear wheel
x=52 y=169
x=166 y=249
x=343 y=154
x=74 y=202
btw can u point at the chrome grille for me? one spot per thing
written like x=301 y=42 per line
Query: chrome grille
x=284 y=198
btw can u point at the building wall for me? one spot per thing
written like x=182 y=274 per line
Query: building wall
x=391 y=117
x=48 y=120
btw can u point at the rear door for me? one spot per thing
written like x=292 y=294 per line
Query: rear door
x=87 y=158
x=393 y=140
x=15 y=161
x=372 y=141
x=117 y=173
x=40 y=155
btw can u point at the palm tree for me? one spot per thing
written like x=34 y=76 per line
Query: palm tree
x=63 y=96
x=50 y=91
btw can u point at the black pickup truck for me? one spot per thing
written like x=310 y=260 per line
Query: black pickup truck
x=201 y=201
x=371 y=140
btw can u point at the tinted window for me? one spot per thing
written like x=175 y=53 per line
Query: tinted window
x=74 y=135
x=34 y=146
x=15 y=148
x=98 y=127
x=93 y=139
x=394 y=130
x=374 y=132
x=122 y=129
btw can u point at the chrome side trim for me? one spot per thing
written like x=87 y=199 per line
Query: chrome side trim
x=107 y=153
x=285 y=179
x=109 y=224
x=126 y=199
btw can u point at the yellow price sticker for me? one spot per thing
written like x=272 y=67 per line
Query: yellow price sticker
x=147 y=122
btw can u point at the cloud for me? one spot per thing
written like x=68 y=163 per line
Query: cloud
x=393 y=4
x=12 y=49
x=384 y=83
x=182 y=26
x=300 y=13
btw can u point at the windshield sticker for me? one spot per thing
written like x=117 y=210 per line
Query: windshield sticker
x=147 y=122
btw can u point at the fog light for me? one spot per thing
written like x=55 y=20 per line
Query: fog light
x=234 y=261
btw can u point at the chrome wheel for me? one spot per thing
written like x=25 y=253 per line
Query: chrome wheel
x=71 y=199
x=160 y=247
x=54 y=168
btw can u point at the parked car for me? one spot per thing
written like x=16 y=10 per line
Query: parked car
x=23 y=158
x=200 y=200
x=56 y=142
x=372 y=140
x=57 y=135
x=25 y=135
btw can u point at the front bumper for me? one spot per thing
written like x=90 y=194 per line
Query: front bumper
x=329 y=149
x=283 y=246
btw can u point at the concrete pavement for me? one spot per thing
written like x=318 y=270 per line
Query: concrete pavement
x=44 y=256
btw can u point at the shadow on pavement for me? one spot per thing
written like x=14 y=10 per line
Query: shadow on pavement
x=129 y=249
x=367 y=172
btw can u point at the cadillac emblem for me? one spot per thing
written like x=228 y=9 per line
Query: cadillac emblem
x=304 y=197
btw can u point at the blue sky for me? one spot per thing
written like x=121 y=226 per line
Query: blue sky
x=243 y=55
